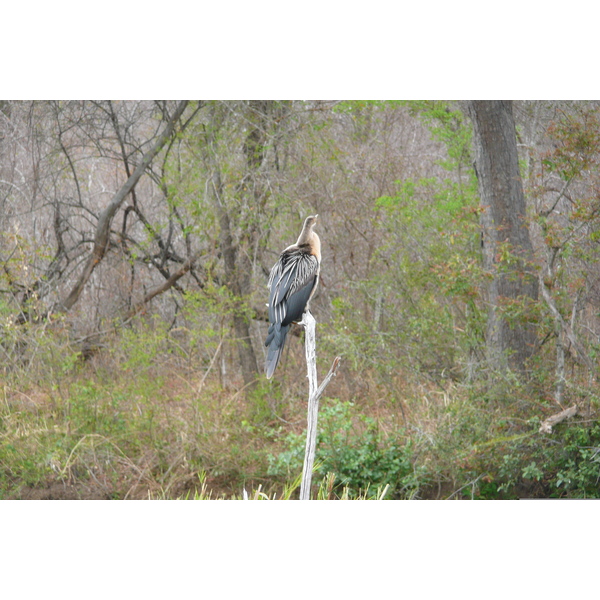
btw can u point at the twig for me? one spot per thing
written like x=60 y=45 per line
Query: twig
x=471 y=483
x=210 y=366
x=166 y=285
x=313 y=401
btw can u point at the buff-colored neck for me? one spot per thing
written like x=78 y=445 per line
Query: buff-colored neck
x=307 y=231
x=310 y=238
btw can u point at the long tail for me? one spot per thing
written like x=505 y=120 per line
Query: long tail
x=275 y=342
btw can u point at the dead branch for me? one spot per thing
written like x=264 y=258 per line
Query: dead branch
x=546 y=426
x=579 y=353
x=315 y=394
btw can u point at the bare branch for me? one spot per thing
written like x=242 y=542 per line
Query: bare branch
x=106 y=217
x=580 y=354
x=169 y=283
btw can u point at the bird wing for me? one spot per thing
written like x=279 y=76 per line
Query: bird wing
x=291 y=282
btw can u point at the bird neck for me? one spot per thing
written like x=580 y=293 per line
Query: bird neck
x=306 y=235
x=309 y=238
x=315 y=246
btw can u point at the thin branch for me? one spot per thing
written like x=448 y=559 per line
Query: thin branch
x=170 y=282
x=579 y=353
x=562 y=193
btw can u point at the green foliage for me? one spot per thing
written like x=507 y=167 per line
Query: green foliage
x=577 y=470
x=577 y=144
x=563 y=465
x=431 y=288
x=351 y=447
x=59 y=446
x=425 y=275
x=262 y=399
x=449 y=126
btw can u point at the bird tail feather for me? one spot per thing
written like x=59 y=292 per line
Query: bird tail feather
x=275 y=342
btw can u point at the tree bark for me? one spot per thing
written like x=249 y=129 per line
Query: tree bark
x=240 y=208
x=237 y=277
x=507 y=248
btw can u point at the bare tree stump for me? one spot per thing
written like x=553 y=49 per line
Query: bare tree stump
x=314 y=393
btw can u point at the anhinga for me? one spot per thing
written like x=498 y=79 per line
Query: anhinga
x=292 y=283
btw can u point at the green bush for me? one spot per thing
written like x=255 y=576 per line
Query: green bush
x=578 y=472
x=362 y=459
x=564 y=464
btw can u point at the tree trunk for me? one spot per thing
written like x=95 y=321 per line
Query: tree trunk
x=237 y=277
x=507 y=249
x=240 y=206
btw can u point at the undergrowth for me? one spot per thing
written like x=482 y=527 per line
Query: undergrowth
x=136 y=423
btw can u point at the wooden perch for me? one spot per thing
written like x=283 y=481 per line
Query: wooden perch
x=313 y=401
x=546 y=426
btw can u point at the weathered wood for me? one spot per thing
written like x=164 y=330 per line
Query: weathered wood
x=314 y=394
x=546 y=426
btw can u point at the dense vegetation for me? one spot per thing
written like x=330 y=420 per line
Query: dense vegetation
x=132 y=319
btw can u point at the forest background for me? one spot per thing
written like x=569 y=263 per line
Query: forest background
x=324 y=50
x=136 y=240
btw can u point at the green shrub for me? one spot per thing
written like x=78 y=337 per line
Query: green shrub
x=362 y=459
x=564 y=464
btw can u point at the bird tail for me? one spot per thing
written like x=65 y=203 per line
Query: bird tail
x=275 y=342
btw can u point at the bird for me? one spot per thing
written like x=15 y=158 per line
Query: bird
x=292 y=283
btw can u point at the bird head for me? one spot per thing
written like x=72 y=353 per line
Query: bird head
x=311 y=221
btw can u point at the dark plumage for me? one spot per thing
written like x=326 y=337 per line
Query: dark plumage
x=292 y=283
